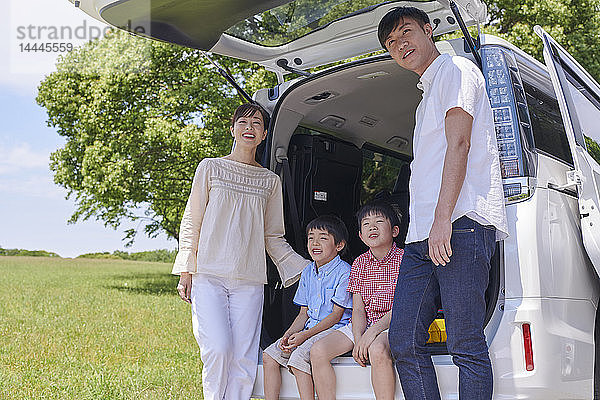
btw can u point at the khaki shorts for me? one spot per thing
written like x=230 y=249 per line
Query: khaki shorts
x=299 y=358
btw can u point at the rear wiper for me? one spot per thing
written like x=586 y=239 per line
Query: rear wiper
x=465 y=32
x=229 y=79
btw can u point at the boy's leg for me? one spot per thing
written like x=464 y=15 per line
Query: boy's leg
x=321 y=353
x=305 y=384
x=383 y=376
x=416 y=300
x=463 y=282
x=299 y=364
x=245 y=314
x=273 y=359
x=210 y=322
x=272 y=377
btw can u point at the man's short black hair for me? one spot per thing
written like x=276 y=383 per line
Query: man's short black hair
x=378 y=208
x=333 y=225
x=395 y=16
x=248 y=110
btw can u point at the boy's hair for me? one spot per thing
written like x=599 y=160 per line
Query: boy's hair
x=390 y=21
x=333 y=225
x=248 y=110
x=378 y=208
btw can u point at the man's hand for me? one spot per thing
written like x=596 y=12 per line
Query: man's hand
x=184 y=287
x=439 y=241
x=458 y=124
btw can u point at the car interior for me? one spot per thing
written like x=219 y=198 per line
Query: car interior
x=346 y=135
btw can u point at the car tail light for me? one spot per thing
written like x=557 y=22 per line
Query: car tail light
x=528 y=347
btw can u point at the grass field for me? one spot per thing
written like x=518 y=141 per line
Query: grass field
x=94 y=329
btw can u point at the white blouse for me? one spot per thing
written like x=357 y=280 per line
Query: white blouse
x=234 y=213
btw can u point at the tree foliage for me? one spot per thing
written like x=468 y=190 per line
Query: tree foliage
x=575 y=24
x=137 y=117
x=593 y=148
x=163 y=255
x=27 y=253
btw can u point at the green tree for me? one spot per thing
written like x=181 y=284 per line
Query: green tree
x=575 y=24
x=137 y=117
x=593 y=148
x=27 y=253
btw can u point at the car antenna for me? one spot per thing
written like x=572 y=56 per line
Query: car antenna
x=465 y=32
x=229 y=79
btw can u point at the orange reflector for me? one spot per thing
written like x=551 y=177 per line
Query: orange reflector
x=528 y=347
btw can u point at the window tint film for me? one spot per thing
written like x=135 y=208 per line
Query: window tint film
x=547 y=124
x=291 y=21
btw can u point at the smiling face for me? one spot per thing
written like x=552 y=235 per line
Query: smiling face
x=321 y=246
x=249 y=131
x=377 y=232
x=411 y=45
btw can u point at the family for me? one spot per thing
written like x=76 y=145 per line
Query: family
x=380 y=307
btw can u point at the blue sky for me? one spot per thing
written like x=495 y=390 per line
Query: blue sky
x=33 y=210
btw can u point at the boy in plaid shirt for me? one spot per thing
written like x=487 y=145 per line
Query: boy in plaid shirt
x=372 y=281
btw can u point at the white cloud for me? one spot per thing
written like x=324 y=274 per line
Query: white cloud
x=25 y=172
x=21 y=157
x=32 y=186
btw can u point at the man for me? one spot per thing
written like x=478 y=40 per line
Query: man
x=456 y=213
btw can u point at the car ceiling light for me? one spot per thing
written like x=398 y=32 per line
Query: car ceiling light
x=398 y=141
x=333 y=121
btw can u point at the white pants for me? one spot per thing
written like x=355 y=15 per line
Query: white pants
x=226 y=318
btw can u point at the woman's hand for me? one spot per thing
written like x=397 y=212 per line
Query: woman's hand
x=184 y=287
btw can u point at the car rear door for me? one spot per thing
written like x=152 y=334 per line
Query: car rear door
x=301 y=33
x=578 y=96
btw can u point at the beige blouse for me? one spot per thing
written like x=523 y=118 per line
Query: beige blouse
x=234 y=213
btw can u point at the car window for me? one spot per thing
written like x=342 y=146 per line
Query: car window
x=588 y=113
x=546 y=122
x=295 y=19
x=380 y=168
x=379 y=173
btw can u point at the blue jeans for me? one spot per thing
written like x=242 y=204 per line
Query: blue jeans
x=459 y=288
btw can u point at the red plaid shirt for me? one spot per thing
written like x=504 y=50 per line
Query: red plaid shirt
x=375 y=281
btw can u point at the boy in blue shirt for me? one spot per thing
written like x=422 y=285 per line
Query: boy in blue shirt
x=325 y=305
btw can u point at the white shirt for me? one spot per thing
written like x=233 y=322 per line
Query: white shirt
x=449 y=82
x=234 y=213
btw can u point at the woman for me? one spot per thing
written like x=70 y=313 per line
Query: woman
x=234 y=213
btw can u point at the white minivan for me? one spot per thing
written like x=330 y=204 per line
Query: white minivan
x=343 y=136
